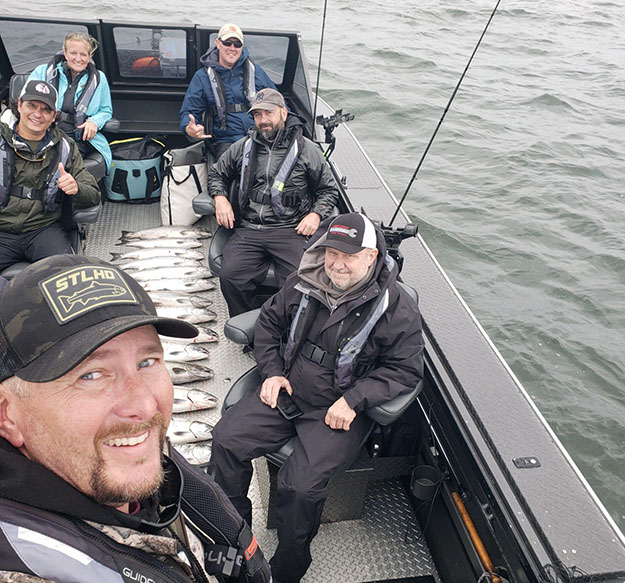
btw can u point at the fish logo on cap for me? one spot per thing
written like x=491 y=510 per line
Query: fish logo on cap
x=83 y=289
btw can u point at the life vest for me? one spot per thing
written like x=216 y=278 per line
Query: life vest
x=221 y=108
x=49 y=191
x=343 y=357
x=74 y=114
x=62 y=548
x=274 y=196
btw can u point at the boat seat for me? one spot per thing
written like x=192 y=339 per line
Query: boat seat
x=94 y=161
x=240 y=329
x=203 y=204
x=75 y=222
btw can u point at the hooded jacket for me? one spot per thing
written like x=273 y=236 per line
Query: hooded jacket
x=22 y=214
x=99 y=111
x=51 y=531
x=199 y=98
x=391 y=360
x=310 y=183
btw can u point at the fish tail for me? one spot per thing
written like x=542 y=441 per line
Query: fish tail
x=124 y=238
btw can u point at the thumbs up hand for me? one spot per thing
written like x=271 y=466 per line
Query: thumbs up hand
x=195 y=130
x=66 y=181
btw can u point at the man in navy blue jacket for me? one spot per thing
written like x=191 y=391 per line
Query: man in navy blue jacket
x=224 y=89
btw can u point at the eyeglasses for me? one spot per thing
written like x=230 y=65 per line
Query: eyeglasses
x=232 y=41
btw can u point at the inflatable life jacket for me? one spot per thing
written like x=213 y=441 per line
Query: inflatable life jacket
x=221 y=108
x=274 y=196
x=73 y=114
x=48 y=194
x=343 y=357
x=59 y=547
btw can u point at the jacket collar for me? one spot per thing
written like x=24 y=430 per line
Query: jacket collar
x=8 y=130
x=49 y=492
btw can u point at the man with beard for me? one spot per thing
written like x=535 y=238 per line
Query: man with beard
x=340 y=337
x=223 y=89
x=86 y=490
x=285 y=189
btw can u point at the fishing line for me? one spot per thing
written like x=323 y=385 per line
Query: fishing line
x=323 y=30
x=440 y=121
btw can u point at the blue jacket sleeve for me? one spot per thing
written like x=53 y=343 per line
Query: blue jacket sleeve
x=38 y=74
x=195 y=100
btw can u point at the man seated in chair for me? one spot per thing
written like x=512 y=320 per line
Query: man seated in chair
x=38 y=165
x=285 y=189
x=340 y=337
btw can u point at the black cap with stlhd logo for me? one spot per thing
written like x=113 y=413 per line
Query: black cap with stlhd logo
x=350 y=233
x=57 y=311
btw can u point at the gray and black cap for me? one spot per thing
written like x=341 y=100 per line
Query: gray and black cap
x=57 y=311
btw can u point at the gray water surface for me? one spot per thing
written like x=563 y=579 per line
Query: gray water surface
x=522 y=195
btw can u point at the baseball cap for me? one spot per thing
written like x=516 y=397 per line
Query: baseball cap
x=230 y=30
x=350 y=233
x=58 y=310
x=39 y=91
x=267 y=99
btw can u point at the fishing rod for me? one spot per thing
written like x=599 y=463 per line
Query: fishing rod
x=323 y=30
x=440 y=121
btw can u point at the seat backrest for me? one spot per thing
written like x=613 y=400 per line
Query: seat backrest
x=412 y=292
x=240 y=328
x=16 y=84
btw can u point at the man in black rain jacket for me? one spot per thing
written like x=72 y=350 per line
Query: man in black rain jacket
x=341 y=336
x=285 y=188
x=86 y=492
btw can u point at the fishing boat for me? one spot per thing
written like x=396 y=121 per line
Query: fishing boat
x=471 y=483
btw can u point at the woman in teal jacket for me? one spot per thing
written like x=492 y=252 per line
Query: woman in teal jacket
x=84 y=100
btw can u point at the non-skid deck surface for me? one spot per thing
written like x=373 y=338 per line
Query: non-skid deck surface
x=385 y=544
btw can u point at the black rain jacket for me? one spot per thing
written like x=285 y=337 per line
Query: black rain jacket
x=311 y=179
x=391 y=358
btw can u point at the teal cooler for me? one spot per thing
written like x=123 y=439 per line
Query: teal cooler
x=135 y=174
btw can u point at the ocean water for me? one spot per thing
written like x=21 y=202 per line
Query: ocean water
x=522 y=197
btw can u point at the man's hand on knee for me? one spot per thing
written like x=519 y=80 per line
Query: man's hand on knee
x=340 y=415
x=308 y=225
x=223 y=212
x=270 y=389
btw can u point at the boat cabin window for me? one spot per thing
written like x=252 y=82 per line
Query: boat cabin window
x=46 y=41
x=151 y=52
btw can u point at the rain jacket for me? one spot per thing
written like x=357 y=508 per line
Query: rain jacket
x=199 y=98
x=310 y=182
x=22 y=214
x=100 y=108
x=390 y=362
x=49 y=531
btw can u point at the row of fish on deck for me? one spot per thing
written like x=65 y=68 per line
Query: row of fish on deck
x=168 y=262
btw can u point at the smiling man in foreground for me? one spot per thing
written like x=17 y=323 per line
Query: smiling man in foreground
x=86 y=492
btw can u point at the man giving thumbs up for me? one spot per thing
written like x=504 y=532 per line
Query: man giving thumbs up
x=42 y=165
